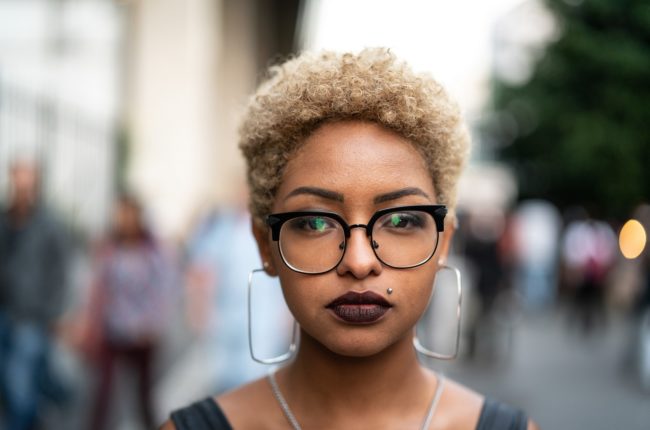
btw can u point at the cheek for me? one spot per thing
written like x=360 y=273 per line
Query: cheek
x=412 y=294
x=301 y=294
x=296 y=294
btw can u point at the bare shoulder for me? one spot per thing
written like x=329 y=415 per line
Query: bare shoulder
x=167 y=425
x=238 y=404
x=532 y=425
x=256 y=396
x=461 y=405
x=461 y=393
x=464 y=407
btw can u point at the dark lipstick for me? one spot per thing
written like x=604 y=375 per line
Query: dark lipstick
x=359 y=308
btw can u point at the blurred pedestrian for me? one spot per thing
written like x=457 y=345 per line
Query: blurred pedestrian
x=639 y=350
x=129 y=305
x=482 y=250
x=220 y=256
x=536 y=233
x=33 y=261
x=589 y=249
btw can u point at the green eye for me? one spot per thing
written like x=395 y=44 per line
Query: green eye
x=395 y=220
x=318 y=223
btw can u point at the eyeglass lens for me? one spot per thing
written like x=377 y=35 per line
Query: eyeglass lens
x=400 y=239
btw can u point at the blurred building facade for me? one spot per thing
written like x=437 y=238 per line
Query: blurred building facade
x=59 y=99
x=143 y=92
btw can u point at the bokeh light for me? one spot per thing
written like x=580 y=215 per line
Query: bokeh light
x=632 y=239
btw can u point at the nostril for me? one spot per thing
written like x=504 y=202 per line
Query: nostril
x=358 y=260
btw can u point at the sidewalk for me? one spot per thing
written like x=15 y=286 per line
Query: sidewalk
x=563 y=380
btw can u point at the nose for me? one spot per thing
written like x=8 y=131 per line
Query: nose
x=359 y=260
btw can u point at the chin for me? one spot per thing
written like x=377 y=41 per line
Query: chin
x=356 y=352
x=357 y=342
x=356 y=348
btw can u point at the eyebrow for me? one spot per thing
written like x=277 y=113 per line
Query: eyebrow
x=315 y=191
x=338 y=197
x=394 y=195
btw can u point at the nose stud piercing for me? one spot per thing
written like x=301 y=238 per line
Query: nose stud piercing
x=389 y=291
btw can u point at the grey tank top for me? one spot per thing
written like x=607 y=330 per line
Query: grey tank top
x=207 y=415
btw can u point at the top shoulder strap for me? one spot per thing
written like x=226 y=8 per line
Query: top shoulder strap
x=203 y=415
x=500 y=416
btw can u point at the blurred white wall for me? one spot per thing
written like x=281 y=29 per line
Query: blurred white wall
x=174 y=74
x=190 y=68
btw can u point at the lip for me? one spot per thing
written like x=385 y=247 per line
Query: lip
x=359 y=308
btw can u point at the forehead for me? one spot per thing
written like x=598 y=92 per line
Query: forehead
x=357 y=159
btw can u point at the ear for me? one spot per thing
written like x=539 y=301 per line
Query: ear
x=447 y=236
x=263 y=240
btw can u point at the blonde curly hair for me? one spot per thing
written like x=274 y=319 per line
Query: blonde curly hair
x=305 y=92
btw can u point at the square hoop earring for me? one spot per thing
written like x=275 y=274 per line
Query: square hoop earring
x=271 y=360
x=416 y=341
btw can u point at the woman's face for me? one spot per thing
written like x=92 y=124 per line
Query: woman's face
x=354 y=169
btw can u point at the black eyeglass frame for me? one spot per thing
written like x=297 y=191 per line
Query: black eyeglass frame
x=277 y=220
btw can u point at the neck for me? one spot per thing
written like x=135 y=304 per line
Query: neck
x=321 y=377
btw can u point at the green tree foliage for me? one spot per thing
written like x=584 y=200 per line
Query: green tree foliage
x=580 y=127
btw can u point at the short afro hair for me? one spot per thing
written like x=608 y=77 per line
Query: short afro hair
x=314 y=88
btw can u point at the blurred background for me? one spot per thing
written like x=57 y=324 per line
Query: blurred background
x=124 y=237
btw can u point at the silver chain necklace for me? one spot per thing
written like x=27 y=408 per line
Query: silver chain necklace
x=294 y=422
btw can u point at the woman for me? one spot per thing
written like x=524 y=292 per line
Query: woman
x=128 y=308
x=352 y=165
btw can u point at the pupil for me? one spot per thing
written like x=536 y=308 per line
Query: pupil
x=318 y=224
x=395 y=220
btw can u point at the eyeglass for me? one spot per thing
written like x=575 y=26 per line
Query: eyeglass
x=314 y=242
